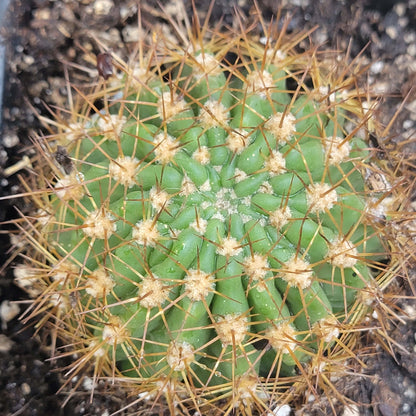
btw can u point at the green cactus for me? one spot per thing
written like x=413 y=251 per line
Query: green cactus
x=210 y=231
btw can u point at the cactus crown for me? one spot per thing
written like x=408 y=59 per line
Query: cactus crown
x=209 y=231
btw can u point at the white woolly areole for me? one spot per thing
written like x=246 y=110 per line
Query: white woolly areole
x=276 y=56
x=237 y=140
x=337 y=150
x=199 y=225
x=158 y=198
x=205 y=187
x=145 y=232
x=239 y=175
x=64 y=271
x=282 y=126
x=282 y=338
x=111 y=125
x=140 y=72
x=202 y=155
x=22 y=272
x=26 y=278
x=266 y=188
x=342 y=253
x=198 y=284
x=70 y=187
x=60 y=301
x=280 y=217
x=99 y=224
x=229 y=247
x=179 y=355
x=218 y=216
x=245 y=390
x=276 y=163
x=166 y=148
x=18 y=241
x=99 y=352
x=370 y=294
x=152 y=291
x=99 y=283
x=114 y=331
x=74 y=131
x=124 y=170
x=207 y=64
x=260 y=82
x=43 y=217
x=297 y=273
x=213 y=114
x=320 y=197
x=231 y=329
x=169 y=105
x=246 y=218
x=8 y=311
x=205 y=204
x=224 y=201
x=138 y=76
x=256 y=266
x=187 y=186
x=327 y=328
x=246 y=201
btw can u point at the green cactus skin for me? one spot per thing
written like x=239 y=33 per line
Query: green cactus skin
x=214 y=231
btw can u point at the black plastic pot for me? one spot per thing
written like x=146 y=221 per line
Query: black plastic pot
x=3 y=9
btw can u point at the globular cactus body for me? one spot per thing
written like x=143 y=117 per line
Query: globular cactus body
x=214 y=229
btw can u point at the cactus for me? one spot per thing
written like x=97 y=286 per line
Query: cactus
x=206 y=229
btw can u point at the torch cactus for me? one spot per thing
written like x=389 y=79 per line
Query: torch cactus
x=206 y=227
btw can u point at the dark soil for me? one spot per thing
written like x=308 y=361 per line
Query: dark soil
x=46 y=41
